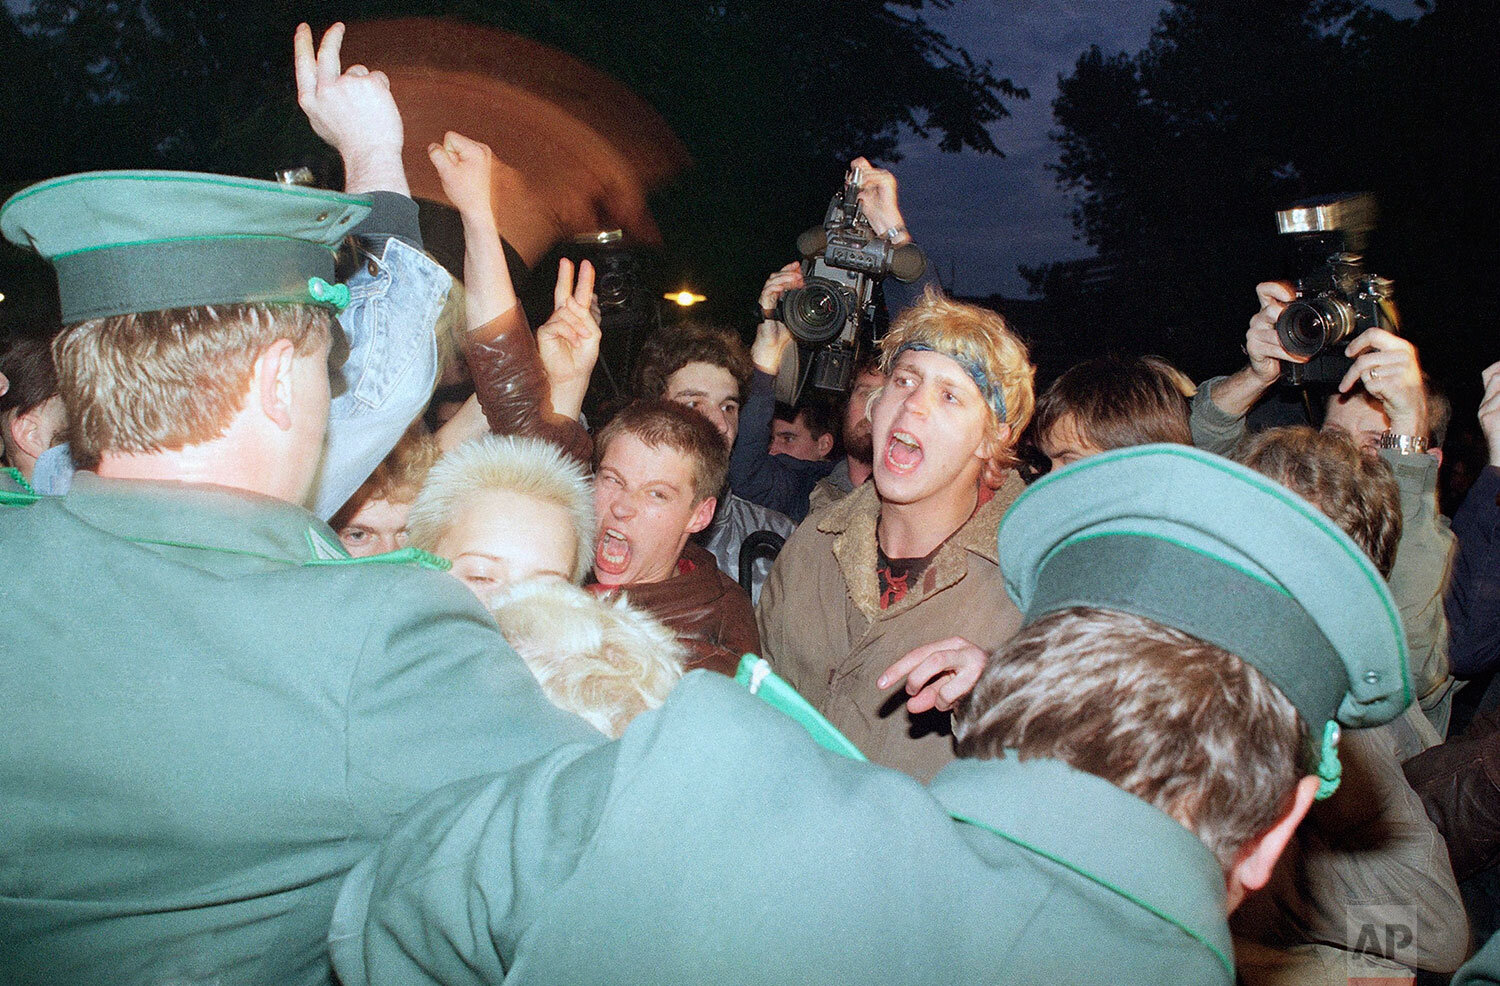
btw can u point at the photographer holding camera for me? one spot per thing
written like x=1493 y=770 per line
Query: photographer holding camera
x=782 y=482
x=1383 y=402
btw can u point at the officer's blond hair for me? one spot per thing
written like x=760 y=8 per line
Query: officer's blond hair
x=164 y=380
x=524 y=466
x=1179 y=723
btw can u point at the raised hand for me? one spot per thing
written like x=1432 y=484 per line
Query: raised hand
x=352 y=110
x=568 y=342
x=937 y=675
x=877 y=196
x=771 y=336
x=1262 y=344
x=466 y=169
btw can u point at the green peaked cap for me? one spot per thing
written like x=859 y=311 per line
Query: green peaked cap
x=1209 y=547
x=141 y=241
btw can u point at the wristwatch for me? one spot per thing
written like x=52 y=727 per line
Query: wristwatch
x=1404 y=444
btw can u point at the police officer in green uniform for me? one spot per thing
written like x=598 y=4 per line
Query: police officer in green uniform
x=210 y=712
x=1131 y=765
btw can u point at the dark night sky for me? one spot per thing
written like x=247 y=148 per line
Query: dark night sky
x=983 y=215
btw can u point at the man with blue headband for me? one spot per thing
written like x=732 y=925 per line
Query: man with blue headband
x=909 y=559
x=1132 y=764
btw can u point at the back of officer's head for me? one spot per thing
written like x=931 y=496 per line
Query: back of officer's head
x=158 y=381
x=1179 y=723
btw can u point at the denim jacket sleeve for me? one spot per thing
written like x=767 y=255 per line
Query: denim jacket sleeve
x=395 y=299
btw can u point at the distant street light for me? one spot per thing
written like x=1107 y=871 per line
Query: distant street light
x=684 y=298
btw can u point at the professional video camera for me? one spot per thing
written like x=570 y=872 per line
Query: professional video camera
x=842 y=261
x=1337 y=298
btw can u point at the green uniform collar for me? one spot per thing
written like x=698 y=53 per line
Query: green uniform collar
x=1095 y=829
x=190 y=515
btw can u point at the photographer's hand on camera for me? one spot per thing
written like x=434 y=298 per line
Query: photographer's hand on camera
x=771 y=336
x=1236 y=395
x=1387 y=366
x=877 y=197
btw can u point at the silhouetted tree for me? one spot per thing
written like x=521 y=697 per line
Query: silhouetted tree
x=1178 y=156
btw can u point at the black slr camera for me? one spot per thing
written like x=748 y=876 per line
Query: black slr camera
x=1337 y=298
x=842 y=261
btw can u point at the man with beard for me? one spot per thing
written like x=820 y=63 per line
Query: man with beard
x=854 y=468
x=913 y=554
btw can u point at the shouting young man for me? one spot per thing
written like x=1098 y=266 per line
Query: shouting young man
x=894 y=564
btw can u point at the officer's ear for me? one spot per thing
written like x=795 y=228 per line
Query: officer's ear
x=273 y=382
x=1258 y=857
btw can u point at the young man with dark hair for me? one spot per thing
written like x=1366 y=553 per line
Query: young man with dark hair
x=219 y=710
x=658 y=468
x=804 y=432
x=705 y=368
x=1168 y=747
x=1109 y=403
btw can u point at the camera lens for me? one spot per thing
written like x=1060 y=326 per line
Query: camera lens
x=1310 y=325
x=815 y=313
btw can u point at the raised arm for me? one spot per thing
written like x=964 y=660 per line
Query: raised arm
x=396 y=295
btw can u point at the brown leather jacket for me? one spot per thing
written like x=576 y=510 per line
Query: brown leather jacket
x=513 y=388
x=707 y=610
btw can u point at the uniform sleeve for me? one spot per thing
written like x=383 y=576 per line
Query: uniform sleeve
x=437 y=696
x=455 y=887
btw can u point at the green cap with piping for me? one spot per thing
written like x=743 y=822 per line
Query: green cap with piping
x=1214 y=549
x=139 y=241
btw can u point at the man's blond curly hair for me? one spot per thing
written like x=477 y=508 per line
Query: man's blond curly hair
x=973 y=335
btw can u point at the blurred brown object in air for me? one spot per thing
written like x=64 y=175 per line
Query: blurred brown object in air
x=581 y=150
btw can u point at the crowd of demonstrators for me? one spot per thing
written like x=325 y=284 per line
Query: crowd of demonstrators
x=1161 y=711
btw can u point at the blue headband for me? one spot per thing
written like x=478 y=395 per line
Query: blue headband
x=993 y=395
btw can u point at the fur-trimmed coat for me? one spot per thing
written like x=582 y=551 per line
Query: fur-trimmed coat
x=822 y=628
